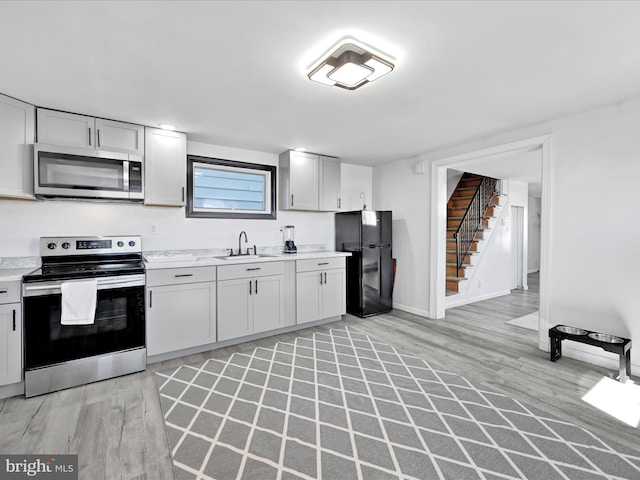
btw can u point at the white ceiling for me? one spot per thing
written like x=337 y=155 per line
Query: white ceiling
x=233 y=73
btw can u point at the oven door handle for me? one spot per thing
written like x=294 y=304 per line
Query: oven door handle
x=53 y=289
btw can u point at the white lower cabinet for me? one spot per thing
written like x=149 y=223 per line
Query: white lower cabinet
x=250 y=299
x=10 y=333
x=320 y=289
x=181 y=308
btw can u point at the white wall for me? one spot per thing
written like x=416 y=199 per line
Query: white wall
x=397 y=188
x=453 y=177
x=22 y=223
x=593 y=227
x=533 y=240
x=356 y=179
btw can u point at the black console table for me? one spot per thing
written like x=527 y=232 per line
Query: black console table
x=610 y=343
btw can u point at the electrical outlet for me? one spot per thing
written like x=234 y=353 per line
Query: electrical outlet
x=153 y=228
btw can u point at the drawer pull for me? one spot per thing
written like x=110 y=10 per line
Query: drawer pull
x=3 y=291
x=184 y=275
x=252 y=269
x=324 y=263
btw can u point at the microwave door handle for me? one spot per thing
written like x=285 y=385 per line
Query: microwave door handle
x=125 y=176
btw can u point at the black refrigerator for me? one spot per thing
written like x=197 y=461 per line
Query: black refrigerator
x=367 y=235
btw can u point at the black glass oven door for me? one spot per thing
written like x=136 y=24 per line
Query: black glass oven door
x=119 y=325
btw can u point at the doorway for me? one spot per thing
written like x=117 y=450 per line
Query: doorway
x=518 y=247
x=438 y=221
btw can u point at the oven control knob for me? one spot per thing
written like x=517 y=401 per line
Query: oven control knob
x=121 y=243
x=51 y=246
x=132 y=243
x=66 y=245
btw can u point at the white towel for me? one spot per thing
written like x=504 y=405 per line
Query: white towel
x=79 y=302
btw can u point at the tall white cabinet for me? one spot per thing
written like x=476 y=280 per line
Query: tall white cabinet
x=165 y=167
x=17 y=135
x=309 y=182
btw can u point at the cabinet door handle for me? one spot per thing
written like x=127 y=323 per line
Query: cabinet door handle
x=325 y=278
x=184 y=275
x=98 y=135
x=89 y=136
x=339 y=203
x=292 y=199
x=14 y=320
x=183 y=194
x=320 y=278
x=256 y=286
x=150 y=298
x=250 y=287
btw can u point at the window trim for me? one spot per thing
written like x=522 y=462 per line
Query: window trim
x=191 y=213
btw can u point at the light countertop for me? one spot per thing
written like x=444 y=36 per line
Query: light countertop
x=13 y=274
x=180 y=260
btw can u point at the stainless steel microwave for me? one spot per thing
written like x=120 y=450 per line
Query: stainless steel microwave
x=77 y=173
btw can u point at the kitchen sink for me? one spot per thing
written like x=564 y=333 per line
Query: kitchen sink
x=238 y=258
x=235 y=258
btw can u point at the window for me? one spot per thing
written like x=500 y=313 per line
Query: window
x=229 y=189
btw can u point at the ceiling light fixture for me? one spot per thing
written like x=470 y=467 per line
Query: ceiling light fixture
x=166 y=126
x=350 y=65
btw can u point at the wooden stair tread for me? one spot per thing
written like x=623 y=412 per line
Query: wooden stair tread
x=456 y=279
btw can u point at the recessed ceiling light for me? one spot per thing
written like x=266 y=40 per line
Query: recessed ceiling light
x=350 y=65
x=166 y=126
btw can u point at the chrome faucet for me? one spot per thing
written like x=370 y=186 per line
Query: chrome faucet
x=240 y=239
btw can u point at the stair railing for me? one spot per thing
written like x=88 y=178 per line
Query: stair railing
x=472 y=219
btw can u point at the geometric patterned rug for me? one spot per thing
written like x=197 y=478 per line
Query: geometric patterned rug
x=341 y=406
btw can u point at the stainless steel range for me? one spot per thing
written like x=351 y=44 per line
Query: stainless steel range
x=84 y=312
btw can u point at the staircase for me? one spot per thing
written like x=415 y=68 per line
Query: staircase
x=470 y=222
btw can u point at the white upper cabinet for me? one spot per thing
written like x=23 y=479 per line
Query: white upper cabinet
x=165 y=167
x=81 y=131
x=309 y=182
x=119 y=136
x=298 y=181
x=17 y=122
x=329 y=184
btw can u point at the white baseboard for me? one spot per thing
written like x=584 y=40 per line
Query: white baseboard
x=451 y=301
x=415 y=311
x=12 y=390
x=600 y=358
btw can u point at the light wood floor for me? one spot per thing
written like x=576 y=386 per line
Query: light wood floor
x=115 y=426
